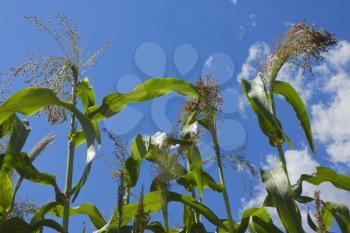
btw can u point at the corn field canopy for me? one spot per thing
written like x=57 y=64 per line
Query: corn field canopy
x=174 y=117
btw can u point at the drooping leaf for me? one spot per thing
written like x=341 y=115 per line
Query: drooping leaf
x=31 y=100
x=324 y=174
x=194 y=204
x=341 y=215
x=258 y=220
x=257 y=95
x=188 y=181
x=293 y=98
x=152 y=88
x=56 y=209
x=278 y=187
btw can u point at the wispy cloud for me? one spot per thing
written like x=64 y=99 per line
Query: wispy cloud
x=234 y=2
x=251 y=24
x=252 y=20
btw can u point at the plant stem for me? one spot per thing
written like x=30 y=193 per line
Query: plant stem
x=71 y=150
x=212 y=129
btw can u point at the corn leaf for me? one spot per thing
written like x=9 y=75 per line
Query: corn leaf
x=278 y=187
x=293 y=98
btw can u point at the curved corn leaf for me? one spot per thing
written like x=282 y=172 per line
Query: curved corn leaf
x=293 y=98
x=258 y=220
x=188 y=181
x=278 y=187
x=194 y=204
x=324 y=174
x=56 y=209
x=18 y=225
x=152 y=88
x=31 y=100
x=260 y=225
x=341 y=215
x=256 y=93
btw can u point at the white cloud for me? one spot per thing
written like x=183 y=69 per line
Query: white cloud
x=234 y=2
x=331 y=118
x=249 y=70
x=340 y=56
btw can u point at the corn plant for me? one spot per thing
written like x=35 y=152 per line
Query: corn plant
x=34 y=99
x=301 y=45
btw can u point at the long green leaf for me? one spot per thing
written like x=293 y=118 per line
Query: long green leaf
x=324 y=174
x=258 y=220
x=278 y=187
x=293 y=98
x=188 y=181
x=152 y=88
x=194 y=204
x=56 y=209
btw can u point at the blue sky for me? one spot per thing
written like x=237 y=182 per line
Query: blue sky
x=187 y=39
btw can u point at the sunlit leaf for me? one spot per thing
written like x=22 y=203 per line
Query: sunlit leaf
x=278 y=187
x=257 y=95
x=56 y=209
x=152 y=88
x=293 y=98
